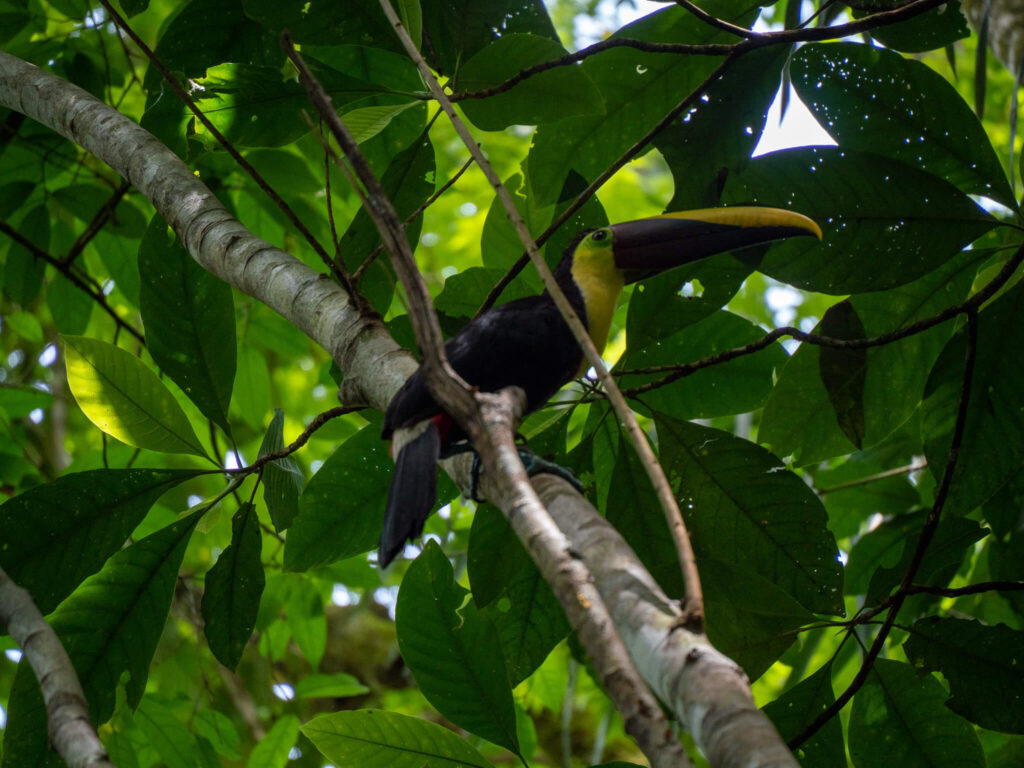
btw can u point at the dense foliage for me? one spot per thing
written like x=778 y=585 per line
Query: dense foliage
x=855 y=505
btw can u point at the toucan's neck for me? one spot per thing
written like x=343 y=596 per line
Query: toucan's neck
x=592 y=288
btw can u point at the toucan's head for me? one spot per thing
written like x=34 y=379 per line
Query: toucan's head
x=601 y=261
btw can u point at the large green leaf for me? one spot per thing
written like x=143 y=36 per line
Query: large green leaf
x=877 y=232
x=341 y=509
x=457 y=29
x=744 y=508
x=739 y=385
x=231 y=597
x=511 y=592
x=373 y=738
x=638 y=88
x=125 y=399
x=274 y=748
x=189 y=316
x=982 y=664
x=900 y=718
x=933 y=29
x=993 y=443
x=110 y=627
x=207 y=32
x=453 y=650
x=166 y=734
x=924 y=123
x=797 y=708
x=57 y=534
x=802 y=419
x=749 y=619
x=548 y=97
x=325 y=22
x=719 y=135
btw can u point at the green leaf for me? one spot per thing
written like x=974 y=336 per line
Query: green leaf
x=282 y=478
x=982 y=664
x=740 y=385
x=842 y=370
x=273 y=749
x=231 y=598
x=341 y=509
x=55 y=535
x=251 y=399
x=304 y=612
x=924 y=123
x=70 y=307
x=933 y=29
x=749 y=619
x=189 y=317
x=325 y=22
x=512 y=593
x=23 y=272
x=457 y=29
x=366 y=122
x=800 y=420
x=550 y=96
x=338 y=686
x=718 y=137
x=166 y=734
x=993 y=444
x=372 y=738
x=638 y=89
x=125 y=399
x=408 y=182
x=877 y=233
x=110 y=627
x=465 y=292
x=797 y=708
x=218 y=729
x=19 y=402
x=633 y=508
x=743 y=507
x=454 y=651
x=25 y=325
x=899 y=718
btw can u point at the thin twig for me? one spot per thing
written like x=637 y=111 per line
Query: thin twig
x=714 y=21
x=339 y=272
x=754 y=40
x=908 y=469
x=301 y=440
x=927 y=534
x=75 y=280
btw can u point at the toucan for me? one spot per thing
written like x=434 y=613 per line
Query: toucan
x=527 y=343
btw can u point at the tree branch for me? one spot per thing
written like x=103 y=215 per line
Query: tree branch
x=67 y=713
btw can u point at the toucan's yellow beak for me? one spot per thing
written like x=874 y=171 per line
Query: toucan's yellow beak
x=646 y=247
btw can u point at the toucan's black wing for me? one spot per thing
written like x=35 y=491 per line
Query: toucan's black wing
x=525 y=343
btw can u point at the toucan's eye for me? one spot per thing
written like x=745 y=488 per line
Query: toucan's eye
x=601 y=234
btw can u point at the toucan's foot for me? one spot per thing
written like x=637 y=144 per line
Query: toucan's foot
x=535 y=465
x=532 y=463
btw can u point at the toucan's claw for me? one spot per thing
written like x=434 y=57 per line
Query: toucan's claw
x=535 y=465
x=532 y=463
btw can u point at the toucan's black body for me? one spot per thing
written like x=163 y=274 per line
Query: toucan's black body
x=527 y=343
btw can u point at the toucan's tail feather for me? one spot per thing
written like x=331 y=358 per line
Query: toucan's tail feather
x=412 y=494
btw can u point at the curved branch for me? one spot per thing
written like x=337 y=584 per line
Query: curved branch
x=67 y=712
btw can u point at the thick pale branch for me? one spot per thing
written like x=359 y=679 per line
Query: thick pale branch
x=67 y=712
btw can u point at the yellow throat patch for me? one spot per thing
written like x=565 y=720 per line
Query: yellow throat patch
x=600 y=282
